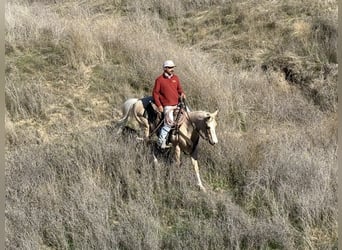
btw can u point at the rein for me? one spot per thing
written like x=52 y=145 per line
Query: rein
x=178 y=121
x=180 y=118
x=156 y=129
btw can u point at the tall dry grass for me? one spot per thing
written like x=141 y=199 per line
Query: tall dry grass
x=73 y=183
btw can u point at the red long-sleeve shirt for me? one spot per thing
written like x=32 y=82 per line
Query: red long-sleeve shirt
x=166 y=90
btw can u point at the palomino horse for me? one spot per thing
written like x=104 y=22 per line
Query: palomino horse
x=184 y=137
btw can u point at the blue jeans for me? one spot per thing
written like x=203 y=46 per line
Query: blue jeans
x=166 y=128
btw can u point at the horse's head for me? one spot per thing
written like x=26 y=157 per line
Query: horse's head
x=209 y=127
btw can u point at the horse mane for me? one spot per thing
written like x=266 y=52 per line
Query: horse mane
x=198 y=116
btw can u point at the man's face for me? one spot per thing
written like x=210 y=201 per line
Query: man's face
x=169 y=70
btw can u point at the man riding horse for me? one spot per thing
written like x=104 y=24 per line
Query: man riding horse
x=166 y=92
x=190 y=126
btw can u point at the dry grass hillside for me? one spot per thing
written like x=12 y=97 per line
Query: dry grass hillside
x=270 y=67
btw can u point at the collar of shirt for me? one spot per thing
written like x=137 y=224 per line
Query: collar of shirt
x=167 y=75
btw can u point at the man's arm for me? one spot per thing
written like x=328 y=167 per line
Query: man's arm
x=180 y=89
x=155 y=95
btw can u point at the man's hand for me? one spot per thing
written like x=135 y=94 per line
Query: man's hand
x=183 y=96
x=160 y=108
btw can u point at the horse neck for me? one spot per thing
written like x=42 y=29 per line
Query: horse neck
x=189 y=131
x=195 y=121
x=195 y=118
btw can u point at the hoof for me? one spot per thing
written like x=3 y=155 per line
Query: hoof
x=119 y=131
x=200 y=186
x=155 y=161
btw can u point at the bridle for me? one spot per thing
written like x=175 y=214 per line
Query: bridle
x=201 y=134
x=199 y=131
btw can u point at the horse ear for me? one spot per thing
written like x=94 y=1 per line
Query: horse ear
x=215 y=113
x=210 y=116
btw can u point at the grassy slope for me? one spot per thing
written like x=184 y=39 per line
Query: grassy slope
x=271 y=70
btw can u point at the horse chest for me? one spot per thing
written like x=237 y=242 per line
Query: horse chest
x=186 y=143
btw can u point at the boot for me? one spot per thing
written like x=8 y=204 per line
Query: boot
x=164 y=145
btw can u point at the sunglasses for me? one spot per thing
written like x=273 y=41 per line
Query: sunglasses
x=169 y=67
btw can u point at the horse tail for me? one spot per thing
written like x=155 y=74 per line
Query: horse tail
x=139 y=113
x=136 y=112
x=126 y=109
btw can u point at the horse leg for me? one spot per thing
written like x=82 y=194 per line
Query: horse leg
x=120 y=124
x=199 y=182
x=155 y=160
x=119 y=130
x=144 y=125
x=195 y=165
x=177 y=155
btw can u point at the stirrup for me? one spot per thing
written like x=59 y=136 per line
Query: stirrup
x=165 y=145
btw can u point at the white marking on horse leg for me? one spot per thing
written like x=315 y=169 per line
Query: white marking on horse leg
x=177 y=155
x=155 y=160
x=146 y=132
x=144 y=125
x=199 y=182
x=119 y=130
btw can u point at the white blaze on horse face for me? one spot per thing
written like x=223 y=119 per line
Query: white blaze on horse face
x=213 y=138
x=212 y=128
x=212 y=132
